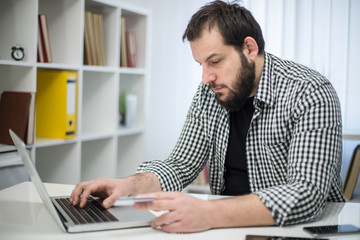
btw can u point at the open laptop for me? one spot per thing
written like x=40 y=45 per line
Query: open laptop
x=93 y=217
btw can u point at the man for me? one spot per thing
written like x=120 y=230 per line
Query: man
x=270 y=130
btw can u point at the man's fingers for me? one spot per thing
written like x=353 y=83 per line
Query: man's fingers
x=173 y=227
x=82 y=192
x=108 y=202
x=164 y=220
x=76 y=193
x=156 y=205
x=84 y=196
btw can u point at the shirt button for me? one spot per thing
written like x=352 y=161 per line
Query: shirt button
x=223 y=146
x=220 y=173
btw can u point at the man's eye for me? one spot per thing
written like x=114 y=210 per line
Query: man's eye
x=215 y=62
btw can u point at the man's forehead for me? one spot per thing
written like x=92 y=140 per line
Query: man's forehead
x=207 y=45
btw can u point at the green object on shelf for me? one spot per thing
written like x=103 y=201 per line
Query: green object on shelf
x=122 y=107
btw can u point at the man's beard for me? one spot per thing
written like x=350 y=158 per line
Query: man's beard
x=242 y=86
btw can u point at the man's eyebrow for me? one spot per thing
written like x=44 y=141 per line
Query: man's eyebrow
x=211 y=56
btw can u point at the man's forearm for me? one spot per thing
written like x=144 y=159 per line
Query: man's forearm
x=246 y=210
x=143 y=183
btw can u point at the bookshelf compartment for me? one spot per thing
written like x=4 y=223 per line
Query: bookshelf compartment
x=17 y=78
x=18 y=26
x=99 y=103
x=135 y=84
x=59 y=164
x=64 y=19
x=131 y=152
x=137 y=23
x=98 y=159
x=110 y=31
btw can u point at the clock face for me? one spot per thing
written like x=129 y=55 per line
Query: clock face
x=17 y=53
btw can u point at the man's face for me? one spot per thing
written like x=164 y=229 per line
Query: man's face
x=227 y=71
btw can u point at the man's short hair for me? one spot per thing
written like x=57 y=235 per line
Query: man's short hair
x=234 y=22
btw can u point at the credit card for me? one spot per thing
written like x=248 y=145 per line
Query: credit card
x=128 y=201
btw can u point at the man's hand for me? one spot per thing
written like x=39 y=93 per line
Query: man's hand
x=185 y=213
x=108 y=189
x=111 y=189
x=188 y=214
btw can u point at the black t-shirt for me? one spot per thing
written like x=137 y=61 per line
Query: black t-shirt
x=236 y=173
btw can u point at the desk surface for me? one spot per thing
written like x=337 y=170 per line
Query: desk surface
x=23 y=216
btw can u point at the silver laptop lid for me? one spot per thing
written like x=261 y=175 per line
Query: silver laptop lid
x=35 y=178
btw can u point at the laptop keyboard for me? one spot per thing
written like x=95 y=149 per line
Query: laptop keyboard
x=93 y=212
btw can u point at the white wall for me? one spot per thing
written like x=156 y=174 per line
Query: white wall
x=174 y=74
x=322 y=34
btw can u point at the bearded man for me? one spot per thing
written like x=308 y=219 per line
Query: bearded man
x=270 y=130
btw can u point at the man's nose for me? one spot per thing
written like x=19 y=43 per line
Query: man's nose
x=207 y=76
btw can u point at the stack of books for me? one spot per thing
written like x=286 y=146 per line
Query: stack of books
x=94 y=50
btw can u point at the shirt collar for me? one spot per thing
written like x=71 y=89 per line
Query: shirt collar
x=266 y=88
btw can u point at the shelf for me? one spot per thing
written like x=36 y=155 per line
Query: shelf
x=124 y=131
x=99 y=110
x=17 y=78
x=59 y=163
x=101 y=148
x=16 y=63
x=132 y=71
x=105 y=69
x=351 y=135
x=111 y=31
x=58 y=66
x=92 y=152
x=96 y=136
x=6 y=148
x=65 y=20
x=17 y=26
x=49 y=142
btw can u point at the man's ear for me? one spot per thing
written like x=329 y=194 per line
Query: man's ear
x=250 y=48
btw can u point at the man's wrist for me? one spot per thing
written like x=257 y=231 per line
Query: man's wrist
x=143 y=183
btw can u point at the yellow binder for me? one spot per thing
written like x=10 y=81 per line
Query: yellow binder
x=56 y=104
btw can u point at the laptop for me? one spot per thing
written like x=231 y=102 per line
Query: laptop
x=93 y=217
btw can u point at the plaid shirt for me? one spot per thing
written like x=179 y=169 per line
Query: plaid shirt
x=293 y=145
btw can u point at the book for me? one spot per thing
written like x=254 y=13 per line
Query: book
x=44 y=37
x=30 y=131
x=40 y=53
x=131 y=49
x=352 y=174
x=17 y=111
x=101 y=41
x=56 y=104
x=99 y=47
x=87 y=46
x=123 y=48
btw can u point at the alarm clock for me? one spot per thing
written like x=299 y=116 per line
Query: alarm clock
x=17 y=53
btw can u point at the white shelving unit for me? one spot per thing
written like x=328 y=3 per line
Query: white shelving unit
x=101 y=148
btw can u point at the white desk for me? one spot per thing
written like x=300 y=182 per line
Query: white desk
x=23 y=216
